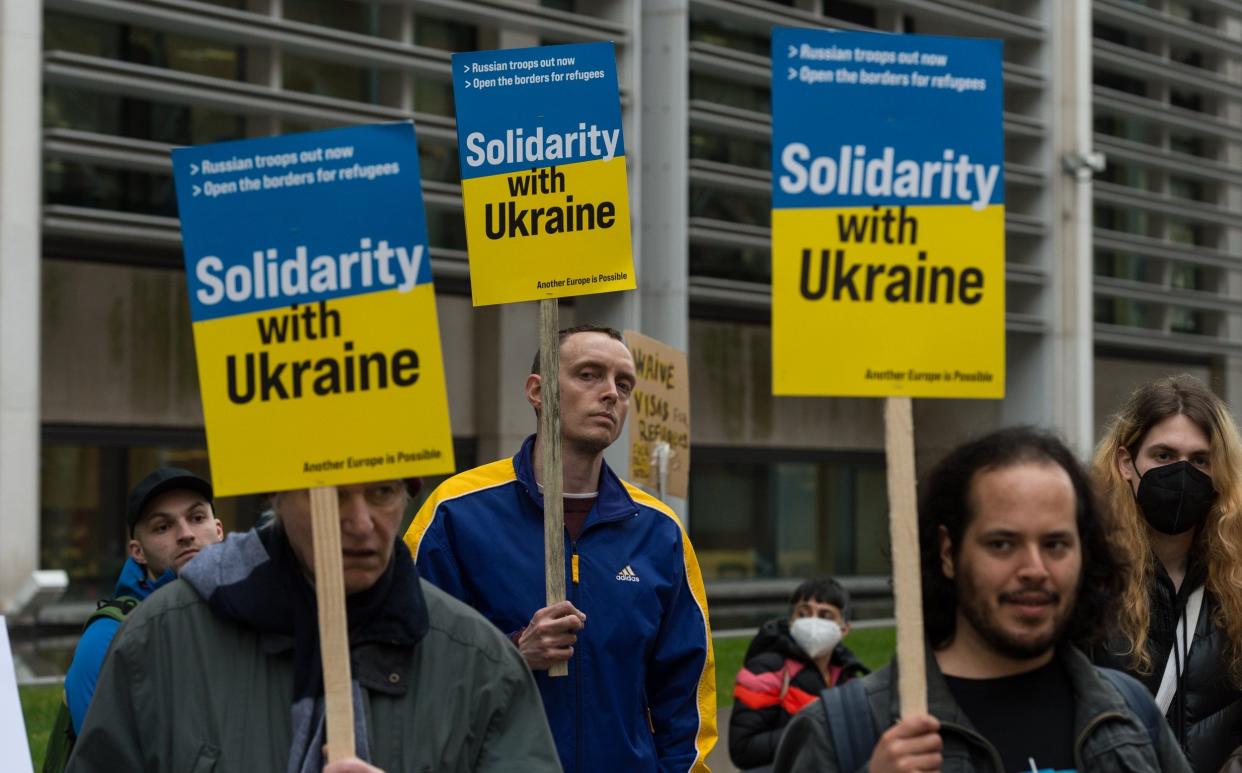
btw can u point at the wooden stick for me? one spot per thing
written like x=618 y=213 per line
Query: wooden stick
x=904 y=533
x=550 y=435
x=333 y=627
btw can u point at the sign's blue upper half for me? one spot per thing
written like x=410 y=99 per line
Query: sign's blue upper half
x=522 y=108
x=270 y=222
x=862 y=118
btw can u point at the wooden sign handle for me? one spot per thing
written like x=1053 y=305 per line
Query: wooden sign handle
x=550 y=435
x=333 y=627
x=904 y=533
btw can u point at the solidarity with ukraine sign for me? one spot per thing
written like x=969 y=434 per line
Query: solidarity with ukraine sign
x=314 y=313
x=543 y=172
x=888 y=215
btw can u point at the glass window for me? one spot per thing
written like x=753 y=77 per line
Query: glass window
x=79 y=184
x=1125 y=220
x=432 y=95
x=726 y=92
x=142 y=45
x=330 y=79
x=1188 y=321
x=1190 y=144
x=743 y=263
x=788 y=513
x=1184 y=276
x=1119 y=82
x=735 y=207
x=847 y=10
x=438 y=162
x=69 y=107
x=738 y=151
x=446 y=229
x=1197 y=234
x=1188 y=100
x=445 y=35
x=1129 y=313
x=1125 y=265
x=1195 y=190
x=359 y=17
x=721 y=33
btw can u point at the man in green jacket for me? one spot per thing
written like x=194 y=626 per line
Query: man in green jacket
x=220 y=670
x=1016 y=568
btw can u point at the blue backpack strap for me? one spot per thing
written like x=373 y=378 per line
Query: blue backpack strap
x=1139 y=702
x=850 y=723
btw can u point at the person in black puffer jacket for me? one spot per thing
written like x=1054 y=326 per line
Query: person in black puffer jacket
x=789 y=662
x=1170 y=467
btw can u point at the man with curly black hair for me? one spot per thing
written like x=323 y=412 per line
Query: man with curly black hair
x=1016 y=570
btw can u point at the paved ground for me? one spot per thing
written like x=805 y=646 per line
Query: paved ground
x=718 y=760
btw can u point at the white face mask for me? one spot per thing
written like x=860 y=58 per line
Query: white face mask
x=815 y=635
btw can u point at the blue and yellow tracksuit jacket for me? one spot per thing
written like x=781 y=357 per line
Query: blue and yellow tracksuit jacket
x=641 y=690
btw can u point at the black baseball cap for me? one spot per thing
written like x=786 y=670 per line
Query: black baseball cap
x=161 y=480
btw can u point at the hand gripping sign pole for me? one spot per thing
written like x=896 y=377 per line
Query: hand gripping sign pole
x=904 y=531
x=338 y=694
x=550 y=433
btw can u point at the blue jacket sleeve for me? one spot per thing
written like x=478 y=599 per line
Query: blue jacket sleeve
x=681 y=675
x=428 y=541
x=83 y=672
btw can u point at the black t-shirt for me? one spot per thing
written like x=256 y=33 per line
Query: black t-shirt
x=1028 y=717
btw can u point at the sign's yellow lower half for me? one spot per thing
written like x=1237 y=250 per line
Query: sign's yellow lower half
x=345 y=391
x=889 y=301
x=549 y=232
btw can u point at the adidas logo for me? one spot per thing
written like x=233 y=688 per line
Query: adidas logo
x=627 y=575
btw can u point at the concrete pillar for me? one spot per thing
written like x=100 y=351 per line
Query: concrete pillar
x=1230 y=383
x=1072 y=382
x=21 y=104
x=505 y=340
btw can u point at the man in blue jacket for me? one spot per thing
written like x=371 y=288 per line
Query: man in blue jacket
x=170 y=519
x=640 y=695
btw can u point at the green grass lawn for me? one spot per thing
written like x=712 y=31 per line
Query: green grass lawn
x=873 y=646
x=39 y=706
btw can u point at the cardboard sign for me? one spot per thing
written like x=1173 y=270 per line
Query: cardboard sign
x=543 y=172
x=314 y=312
x=659 y=413
x=888 y=221
x=12 y=721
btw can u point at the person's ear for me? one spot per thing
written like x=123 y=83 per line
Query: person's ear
x=946 y=554
x=219 y=530
x=136 y=552
x=534 y=391
x=1125 y=464
x=845 y=630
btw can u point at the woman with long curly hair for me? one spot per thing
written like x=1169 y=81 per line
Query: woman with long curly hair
x=1170 y=472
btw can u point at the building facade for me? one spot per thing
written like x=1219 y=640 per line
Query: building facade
x=1116 y=272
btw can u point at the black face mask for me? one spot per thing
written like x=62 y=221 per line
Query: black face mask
x=1174 y=498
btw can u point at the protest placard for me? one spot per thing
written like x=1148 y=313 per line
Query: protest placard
x=316 y=334
x=12 y=721
x=543 y=172
x=888 y=247
x=313 y=309
x=888 y=221
x=659 y=421
x=546 y=202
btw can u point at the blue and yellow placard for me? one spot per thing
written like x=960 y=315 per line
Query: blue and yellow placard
x=888 y=216
x=313 y=309
x=543 y=172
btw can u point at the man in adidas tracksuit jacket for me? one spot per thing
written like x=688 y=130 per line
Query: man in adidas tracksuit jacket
x=640 y=695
